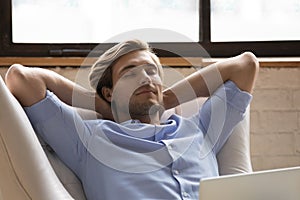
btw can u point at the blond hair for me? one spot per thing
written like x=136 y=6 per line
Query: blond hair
x=101 y=72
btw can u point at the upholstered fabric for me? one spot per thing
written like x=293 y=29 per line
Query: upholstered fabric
x=26 y=173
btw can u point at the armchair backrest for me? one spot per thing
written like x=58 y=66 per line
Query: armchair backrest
x=26 y=173
x=24 y=168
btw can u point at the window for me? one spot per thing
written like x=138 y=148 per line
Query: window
x=222 y=27
x=94 y=21
x=255 y=20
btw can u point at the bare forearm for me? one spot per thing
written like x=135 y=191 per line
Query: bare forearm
x=76 y=95
x=67 y=91
x=242 y=70
x=199 y=84
x=29 y=85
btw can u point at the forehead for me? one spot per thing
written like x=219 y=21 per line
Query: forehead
x=139 y=57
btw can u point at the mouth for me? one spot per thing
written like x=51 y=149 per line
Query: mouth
x=146 y=90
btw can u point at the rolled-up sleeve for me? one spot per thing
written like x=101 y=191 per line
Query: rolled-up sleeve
x=61 y=127
x=221 y=113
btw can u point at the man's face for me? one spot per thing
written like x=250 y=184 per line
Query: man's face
x=137 y=86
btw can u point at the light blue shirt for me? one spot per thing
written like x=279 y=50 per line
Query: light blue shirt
x=133 y=160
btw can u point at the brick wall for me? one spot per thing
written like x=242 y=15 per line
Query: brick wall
x=275 y=116
x=275 y=119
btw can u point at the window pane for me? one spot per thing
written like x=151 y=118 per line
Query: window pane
x=95 y=21
x=255 y=20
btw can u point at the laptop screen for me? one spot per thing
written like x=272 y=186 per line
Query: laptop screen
x=278 y=184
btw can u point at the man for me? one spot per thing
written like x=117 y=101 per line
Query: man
x=135 y=155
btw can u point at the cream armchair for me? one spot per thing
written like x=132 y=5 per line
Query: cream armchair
x=29 y=170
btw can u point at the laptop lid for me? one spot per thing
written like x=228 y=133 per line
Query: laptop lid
x=278 y=184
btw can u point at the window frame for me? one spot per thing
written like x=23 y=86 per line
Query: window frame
x=214 y=49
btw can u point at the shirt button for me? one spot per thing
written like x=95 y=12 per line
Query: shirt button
x=176 y=172
x=185 y=194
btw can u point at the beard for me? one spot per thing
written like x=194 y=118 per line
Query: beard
x=137 y=109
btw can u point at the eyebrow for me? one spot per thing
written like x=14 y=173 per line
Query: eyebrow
x=126 y=68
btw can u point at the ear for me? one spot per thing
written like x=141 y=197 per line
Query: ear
x=107 y=93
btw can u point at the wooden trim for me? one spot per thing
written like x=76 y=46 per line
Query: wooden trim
x=280 y=62
x=46 y=61
x=169 y=61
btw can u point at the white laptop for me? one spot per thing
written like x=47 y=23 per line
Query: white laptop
x=278 y=184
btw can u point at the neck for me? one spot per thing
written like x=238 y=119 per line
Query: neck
x=148 y=119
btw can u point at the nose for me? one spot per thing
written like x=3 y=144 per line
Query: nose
x=145 y=78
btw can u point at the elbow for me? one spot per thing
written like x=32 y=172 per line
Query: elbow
x=25 y=84
x=250 y=63
x=247 y=71
x=14 y=77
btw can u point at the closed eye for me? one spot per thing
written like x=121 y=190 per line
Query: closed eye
x=128 y=74
x=150 y=69
x=131 y=70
